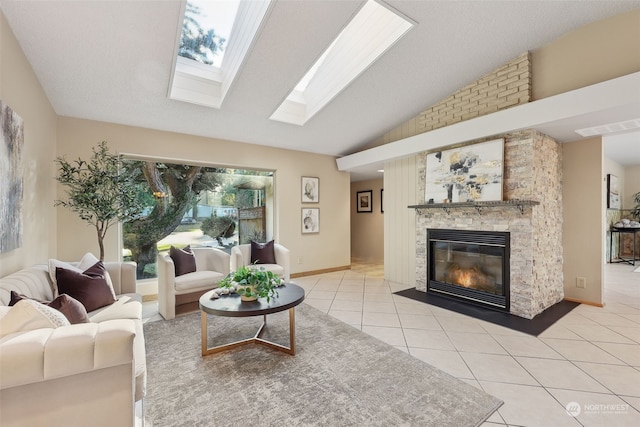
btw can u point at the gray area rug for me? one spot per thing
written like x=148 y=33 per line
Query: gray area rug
x=339 y=376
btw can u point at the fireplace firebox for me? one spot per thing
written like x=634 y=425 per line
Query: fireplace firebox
x=472 y=266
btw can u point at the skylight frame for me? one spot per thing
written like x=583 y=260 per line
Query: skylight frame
x=365 y=39
x=207 y=85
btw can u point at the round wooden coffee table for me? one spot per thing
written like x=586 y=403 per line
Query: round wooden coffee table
x=289 y=296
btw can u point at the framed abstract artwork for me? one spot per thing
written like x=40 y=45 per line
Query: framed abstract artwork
x=310 y=220
x=613 y=192
x=310 y=189
x=364 y=201
x=466 y=174
x=11 y=178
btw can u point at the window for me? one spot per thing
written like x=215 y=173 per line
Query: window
x=200 y=206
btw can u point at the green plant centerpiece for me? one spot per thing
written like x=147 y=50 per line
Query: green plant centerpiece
x=252 y=282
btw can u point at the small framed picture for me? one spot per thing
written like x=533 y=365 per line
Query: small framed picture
x=364 y=201
x=613 y=192
x=310 y=189
x=310 y=220
x=382 y=200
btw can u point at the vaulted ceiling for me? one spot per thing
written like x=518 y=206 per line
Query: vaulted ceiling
x=112 y=61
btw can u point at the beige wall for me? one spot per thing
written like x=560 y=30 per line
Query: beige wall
x=20 y=89
x=367 y=229
x=631 y=186
x=591 y=54
x=327 y=249
x=583 y=196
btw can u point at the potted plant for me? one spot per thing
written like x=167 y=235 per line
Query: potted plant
x=252 y=282
x=99 y=191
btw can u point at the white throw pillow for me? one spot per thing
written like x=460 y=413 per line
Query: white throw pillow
x=4 y=309
x=88 y=260
x=28 y=315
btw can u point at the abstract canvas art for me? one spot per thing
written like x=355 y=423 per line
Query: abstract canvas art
x=613 y=192
x=10 y=178
x=465 y=174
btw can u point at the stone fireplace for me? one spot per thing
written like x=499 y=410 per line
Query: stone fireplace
x=530 y=218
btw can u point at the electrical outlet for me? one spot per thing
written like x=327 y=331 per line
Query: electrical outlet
x=299 y=260
x=581 y=282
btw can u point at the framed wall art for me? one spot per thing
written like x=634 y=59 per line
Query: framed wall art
x=11 y=178
x=364 y=201
x=613 y=192
x=310 y=220
x=310 y=189
x=470 y=173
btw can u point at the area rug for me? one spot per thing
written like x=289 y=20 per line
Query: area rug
x=339 y=376
x=637 y=270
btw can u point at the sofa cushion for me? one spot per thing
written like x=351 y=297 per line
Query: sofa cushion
x=262 y=253
x=28 y=315
x=89 y=287
x=124 y=308
x=197 y=280
x=72 y=309
x=183 y=260
x=88 y=260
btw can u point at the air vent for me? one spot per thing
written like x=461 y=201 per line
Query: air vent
x=610 y=128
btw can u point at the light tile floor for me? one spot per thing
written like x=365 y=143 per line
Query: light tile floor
x=589 y=359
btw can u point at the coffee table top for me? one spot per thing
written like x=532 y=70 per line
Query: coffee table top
x=289 y=295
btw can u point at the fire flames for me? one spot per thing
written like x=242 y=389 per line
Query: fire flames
x=472 y=277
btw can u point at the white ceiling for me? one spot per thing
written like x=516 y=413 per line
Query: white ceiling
x=112 y=61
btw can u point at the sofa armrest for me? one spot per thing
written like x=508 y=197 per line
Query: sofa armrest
x=123 y=276
x=235 y=260
x=283 y=260
x=44 y=354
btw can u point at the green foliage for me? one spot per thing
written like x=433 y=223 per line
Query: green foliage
x=174 y=188
x=218 y=227
x=253 y=281
x=197 y=43
x=99 y=190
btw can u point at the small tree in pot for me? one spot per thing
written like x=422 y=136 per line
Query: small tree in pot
x=99 y=191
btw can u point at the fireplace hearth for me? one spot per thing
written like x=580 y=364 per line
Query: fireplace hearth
x=471 y=266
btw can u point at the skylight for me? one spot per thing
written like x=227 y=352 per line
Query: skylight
x=214 y=40
x=206 y=30
x=373 y=31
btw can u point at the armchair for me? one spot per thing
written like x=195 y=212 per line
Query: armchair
x=212 y=265
x=241 y=256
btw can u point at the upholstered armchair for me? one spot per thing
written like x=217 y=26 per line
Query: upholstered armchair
x=241 y=255
x=179 y=282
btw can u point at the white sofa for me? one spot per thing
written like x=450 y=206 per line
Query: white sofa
x=241 y=256
x=212 y=265
x=77 y=375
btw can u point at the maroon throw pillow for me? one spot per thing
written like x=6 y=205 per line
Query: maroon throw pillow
x=15 y=297
x=183 y=260
x=72 y=309
x=262 y=253
x=89 y=287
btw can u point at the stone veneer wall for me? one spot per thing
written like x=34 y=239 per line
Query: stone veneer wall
x=532 y=171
